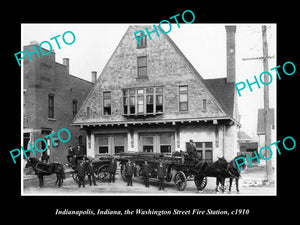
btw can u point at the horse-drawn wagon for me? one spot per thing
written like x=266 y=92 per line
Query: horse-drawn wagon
x=100 y=163
x=180 y=168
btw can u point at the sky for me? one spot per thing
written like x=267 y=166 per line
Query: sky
x=203 y=44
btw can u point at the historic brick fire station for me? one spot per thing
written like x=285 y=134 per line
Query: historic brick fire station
x=150 y=98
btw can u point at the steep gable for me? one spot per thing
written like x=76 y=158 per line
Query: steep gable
x=166 y=67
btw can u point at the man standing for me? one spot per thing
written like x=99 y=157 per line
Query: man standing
x=91 y=172
x=70 y=153
x=112 y=170
x=146 y=173
x=161 y=172
x=81 y=173
x=129 y=170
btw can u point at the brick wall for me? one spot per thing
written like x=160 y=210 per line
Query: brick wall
x=44 y=76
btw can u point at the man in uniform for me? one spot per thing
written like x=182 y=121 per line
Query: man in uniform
x=129 y=170
x=90 y=170
x=161 y=173
x=112 y=170
x=146 y=173
x=70 y=153
x=78 y=151
x=81 y=173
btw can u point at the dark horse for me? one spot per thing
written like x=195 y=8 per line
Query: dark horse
x=42 y=169
x=232 y=172
x=216 y=169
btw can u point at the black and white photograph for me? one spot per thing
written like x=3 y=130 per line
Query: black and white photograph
x=161 y=109
x=137 y=114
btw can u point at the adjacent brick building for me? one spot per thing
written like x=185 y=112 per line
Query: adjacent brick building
x=150 y=98
x=51 y=99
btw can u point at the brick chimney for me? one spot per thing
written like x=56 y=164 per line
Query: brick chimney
x=66 y=62
x=94 y=76
x=230 y=51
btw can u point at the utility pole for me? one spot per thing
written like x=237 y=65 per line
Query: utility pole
x=269 y=171
x=266 y=106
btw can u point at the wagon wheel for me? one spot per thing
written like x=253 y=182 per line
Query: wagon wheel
x=102 y=173
x=180 y=180
x=200 y=182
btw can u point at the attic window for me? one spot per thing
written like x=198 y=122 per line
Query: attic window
x=143 y=41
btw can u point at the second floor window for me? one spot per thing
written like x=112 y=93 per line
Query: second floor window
x=183 y=98
x=51 y=106
x=106 y=103
x=147 y=100
x=142 y=66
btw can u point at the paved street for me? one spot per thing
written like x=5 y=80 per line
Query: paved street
x=251 y=183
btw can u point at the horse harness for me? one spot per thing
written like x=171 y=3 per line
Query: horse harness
x=36 y=168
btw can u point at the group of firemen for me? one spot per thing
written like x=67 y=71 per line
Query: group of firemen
x=85 y=168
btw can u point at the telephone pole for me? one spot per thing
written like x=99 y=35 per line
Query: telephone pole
x=269 y=171
x=266 y=105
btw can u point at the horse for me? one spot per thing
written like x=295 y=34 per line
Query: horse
x=216 y=169
x=42 y=169
x=232 y=172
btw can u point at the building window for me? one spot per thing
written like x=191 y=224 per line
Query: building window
x=119 y=144
x=106 y=103
x=80 y=139
x=74 y=107
x=166 y=143
x=183 y=98
x=156 y=142
x=103 y=144
x=149 y=100
x=51 y=106
x=143 y=41
x=159 y=100
x=204 y=104
x=88 y=112
x=205 y=150
x=143 y=101
x=147 y=143
x=140 y=100
x=142 y=66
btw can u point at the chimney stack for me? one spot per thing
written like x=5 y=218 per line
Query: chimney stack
x=230 y=51
x=94 y=76
x=66 y=62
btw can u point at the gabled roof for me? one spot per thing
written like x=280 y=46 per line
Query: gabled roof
x=218 y=90
x=224 y=92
